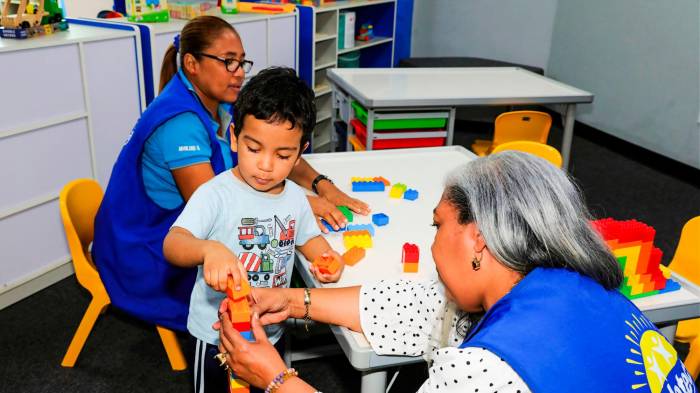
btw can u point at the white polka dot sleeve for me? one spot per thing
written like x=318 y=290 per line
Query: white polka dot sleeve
x=414 y=318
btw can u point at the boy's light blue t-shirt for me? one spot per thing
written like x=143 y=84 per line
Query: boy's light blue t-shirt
x=261 y=229
x=179 y=142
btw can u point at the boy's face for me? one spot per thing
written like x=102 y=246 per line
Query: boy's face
x=267 y=153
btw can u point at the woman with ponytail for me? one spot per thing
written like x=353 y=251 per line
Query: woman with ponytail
x=181 y=141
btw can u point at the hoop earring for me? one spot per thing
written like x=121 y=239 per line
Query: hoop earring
x=476 y=263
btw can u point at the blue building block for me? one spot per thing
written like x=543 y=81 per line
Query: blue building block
x=361 y=227
x=367 y=186
x=380 y=219
x=330 y=228
x=410 y=194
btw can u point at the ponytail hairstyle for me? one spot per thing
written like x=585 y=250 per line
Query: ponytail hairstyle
x=197 y=35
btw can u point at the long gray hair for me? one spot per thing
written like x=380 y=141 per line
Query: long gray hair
x=530 y=215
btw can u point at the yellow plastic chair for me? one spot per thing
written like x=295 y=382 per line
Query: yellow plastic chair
x=515 y=126
x=542 y=150
x=686 y=262
x=79 y=201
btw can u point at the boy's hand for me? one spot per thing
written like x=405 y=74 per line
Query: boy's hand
x=219 y=264
x=324 y=277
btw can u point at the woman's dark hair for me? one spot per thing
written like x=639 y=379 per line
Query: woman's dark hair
x=277 y=95
x=197 y=35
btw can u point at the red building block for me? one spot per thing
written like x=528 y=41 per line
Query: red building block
x=410 y=253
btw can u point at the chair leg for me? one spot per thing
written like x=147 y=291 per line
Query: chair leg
x=692 y=361
x=172 y=349
x=96 y=307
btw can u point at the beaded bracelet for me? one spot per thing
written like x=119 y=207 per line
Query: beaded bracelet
x=281 y=378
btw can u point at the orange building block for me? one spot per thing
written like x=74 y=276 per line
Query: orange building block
x=231 y=294
x=383 y=180
x=354 y=255
x=326 y=264
x=410 y=267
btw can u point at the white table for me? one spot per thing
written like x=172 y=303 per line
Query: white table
x=395 y=89
x=409 y=221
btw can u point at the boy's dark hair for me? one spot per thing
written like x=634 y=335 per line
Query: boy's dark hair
x=277 y=94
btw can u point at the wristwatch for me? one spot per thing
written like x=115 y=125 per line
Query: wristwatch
x=317 y=180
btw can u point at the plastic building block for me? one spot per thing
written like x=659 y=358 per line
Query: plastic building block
x=383 y=180
x=397 y=190
x=632 y=244
x=354 y=255
x=410 y=267
x=361 y=227
x=380 y=219
x=240 y=294
x=326 y=264
x=410 y=194
x=330 y=228
x=410 y=253
x=242 y=326
x=357 y=238
x=367 y=186
x=346 y=212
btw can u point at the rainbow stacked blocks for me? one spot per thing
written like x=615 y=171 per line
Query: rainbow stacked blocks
x=632 y=243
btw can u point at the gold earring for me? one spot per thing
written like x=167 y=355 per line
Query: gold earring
x=476 y=263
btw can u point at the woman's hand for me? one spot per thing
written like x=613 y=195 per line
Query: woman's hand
x=257 y=362
x=336 y=197
x=325 y=277
x=220 y=263
x=325 y=210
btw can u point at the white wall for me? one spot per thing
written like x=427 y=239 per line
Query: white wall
x=509 y=30
x=86 y=8
x=641 y=59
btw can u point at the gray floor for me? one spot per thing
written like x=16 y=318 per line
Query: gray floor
x=123 y=355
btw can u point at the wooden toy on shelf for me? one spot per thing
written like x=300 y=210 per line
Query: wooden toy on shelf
x=24 y=18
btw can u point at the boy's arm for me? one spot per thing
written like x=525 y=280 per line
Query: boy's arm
x=316 y=247
x=181 y=248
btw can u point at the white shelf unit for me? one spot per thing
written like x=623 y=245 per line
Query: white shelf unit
x=319 y=52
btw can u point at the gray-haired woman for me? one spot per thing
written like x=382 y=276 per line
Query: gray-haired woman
x=535 y=286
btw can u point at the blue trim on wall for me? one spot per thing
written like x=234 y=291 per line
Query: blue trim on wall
x=306 y=43
x=97 y=23
x=404 y=24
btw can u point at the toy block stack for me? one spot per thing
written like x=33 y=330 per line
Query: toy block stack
x=367 y=184
x=326 y=264
x=361 y=227
x=410 y=257
x=239 y=312
x=632 y=243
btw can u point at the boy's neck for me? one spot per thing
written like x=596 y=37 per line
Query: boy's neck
x=277 y=189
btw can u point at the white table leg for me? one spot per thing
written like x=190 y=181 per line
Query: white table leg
x=570 y=117
x=373 y=381
x=451 y=126
x=669 y=332
x=370 y=129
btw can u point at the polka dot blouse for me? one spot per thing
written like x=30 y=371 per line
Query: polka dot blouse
x=413 y=318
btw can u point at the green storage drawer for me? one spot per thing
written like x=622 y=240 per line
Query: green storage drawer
x=416 y=121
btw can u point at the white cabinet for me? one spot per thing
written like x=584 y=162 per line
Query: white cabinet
x=68 y=103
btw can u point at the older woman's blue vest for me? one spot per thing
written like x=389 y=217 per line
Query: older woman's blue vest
x=130 y=227
x=563 y=332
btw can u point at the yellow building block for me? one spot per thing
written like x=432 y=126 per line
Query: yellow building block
x=397 y=190
x=357 y=239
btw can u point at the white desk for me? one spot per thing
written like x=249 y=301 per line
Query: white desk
x=409 y=221
x=447 y=88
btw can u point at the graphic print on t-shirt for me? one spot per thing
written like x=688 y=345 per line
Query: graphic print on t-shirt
x=269 y=245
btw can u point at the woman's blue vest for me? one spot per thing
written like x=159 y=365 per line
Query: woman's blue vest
x=563 y=332
x=130 y=227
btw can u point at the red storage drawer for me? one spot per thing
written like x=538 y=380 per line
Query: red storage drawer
x=378 y=144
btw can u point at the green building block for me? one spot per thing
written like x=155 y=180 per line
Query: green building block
x=346 y=212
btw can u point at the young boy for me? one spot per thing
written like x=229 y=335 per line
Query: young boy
x=248 y=221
